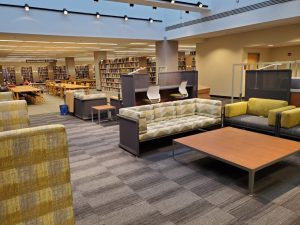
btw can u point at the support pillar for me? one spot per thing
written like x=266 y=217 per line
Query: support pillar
x=1 y=75
x=98 y=56
x=166 y=56
x=35 y=73
x=70 y=67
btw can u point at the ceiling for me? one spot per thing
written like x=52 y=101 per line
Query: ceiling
x=19 y=47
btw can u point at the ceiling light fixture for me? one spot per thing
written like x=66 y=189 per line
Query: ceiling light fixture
x=150 y=20
x=154 y=7
x=172 y=1
x=131 y=5
x=97 y=15
x=187 y=12
x=200 y=5
x=96 y=1
x=125 y=17
x=26 y=7
x=65 y=12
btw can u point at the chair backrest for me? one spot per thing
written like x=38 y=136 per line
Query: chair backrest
x=13 y=115
x=182 y=88
x=153 y=92
x=35 y=185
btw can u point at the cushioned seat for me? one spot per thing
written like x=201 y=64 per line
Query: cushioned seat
x=290 y=123
x=254 y=122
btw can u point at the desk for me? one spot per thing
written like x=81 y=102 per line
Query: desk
x=64 y=87
x=24 y=89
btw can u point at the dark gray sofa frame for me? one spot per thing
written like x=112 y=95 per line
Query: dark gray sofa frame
x=129 y=134
x=82 y=108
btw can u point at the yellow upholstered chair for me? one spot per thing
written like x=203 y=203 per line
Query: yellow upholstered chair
x=13 y=115
x=35 y=183
x=6 y=96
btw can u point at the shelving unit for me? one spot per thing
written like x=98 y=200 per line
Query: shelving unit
x=151 y=69
x=191 y=62
x=43 y=73
x=82 y=72
x=111 y=71
x=26 y=73
x=9 y=74
x=181 y=63
x=59 y=72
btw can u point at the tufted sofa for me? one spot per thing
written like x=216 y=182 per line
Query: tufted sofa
x=13 y=115
x=143 y=123
x=83 y=104
x=6 y=96
x=35 y=185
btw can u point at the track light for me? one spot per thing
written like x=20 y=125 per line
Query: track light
x=154 y=7
x=96 y=1
x=172 y=1
x=97 y=15
x=65 y=12
x=131 y=5
x=125 y=17
x=187 y=12
x=200 y=5
x=26 y=7
x=150 y=20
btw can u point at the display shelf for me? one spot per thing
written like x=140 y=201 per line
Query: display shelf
x=43 y=73
x=9 y=74
x=26 y=73
x=60 y=72
x=82 y=72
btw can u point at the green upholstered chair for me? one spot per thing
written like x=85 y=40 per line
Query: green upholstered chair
x=35 y=183
x=182 y=91
x=13 y=115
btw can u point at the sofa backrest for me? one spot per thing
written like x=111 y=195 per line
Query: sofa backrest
x=261 y=107
x=6 y=96
x=35 y=183
x=13 y=115
x=209 y=108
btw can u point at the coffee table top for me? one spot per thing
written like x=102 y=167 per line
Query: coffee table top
x=103 y=107
x=245 y=149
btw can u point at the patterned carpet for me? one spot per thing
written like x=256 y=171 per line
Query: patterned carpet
x=112 y=187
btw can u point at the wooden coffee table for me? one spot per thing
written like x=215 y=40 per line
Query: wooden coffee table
x=100 y=108
x=247 y=150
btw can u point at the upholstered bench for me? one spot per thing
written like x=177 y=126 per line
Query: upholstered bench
x=143 y=123
x=83 y=104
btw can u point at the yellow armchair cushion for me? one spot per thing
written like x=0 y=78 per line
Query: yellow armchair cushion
x=261 y=107
x=235 y=109
x=273 y=112
x=290 y=118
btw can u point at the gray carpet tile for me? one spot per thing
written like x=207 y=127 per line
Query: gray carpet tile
x=112 y=187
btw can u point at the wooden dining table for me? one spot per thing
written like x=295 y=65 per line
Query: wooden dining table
x=17 y=90
x=64 y=87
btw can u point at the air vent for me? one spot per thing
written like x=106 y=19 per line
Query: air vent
x=228 y=13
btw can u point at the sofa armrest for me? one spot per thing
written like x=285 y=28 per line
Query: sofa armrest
x=236 y=109
x=137 y=116
x=273 y=112
x=290 y=118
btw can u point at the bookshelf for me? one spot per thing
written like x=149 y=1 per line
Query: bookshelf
x=82 y=72
x=9 y=74
x=26 y=73
x=151 y=69
x=111 y=71
x=181 y=63
x=43 y=73
x=59 y=72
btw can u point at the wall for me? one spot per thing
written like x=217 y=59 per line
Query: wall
x=215 y=56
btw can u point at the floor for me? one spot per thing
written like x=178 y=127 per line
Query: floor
x=112 y=187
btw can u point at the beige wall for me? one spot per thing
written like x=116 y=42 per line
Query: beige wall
x=215 y=56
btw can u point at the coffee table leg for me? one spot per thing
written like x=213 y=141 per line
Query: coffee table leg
x=92 y=116
x=251 y=182
x=109 y=114
x=99 y=116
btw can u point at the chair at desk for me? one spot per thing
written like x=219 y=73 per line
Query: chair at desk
x=153 y=94
x=182 y=91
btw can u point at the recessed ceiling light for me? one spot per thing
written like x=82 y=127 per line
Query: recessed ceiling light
x=26 y=7
x=125 y=17
x=150 y=20
x=98 y=15
x=270 y=45
x=200 y=5
x=172 y=1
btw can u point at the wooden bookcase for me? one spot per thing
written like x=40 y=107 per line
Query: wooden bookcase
x=111 y=71
x=9 y=74
x=151 y=69
x=26 y=73
x=82 y=72
x=43 y=73
x=60 y=72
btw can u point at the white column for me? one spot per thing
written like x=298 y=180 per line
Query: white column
x=98 y=56
x=70 y=67
x=166 y=56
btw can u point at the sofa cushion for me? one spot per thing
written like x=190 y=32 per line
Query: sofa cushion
x=236 y=109
x=83 y=96
x=146 y=111
x=290 y=118
x=164 y=113
x=273 y=113
x=185 y=110
x=261 y=107
x=209 y=108
x=294 y=131
x=249 y=121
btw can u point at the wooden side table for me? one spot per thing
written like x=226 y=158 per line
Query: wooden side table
x=100 y=108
